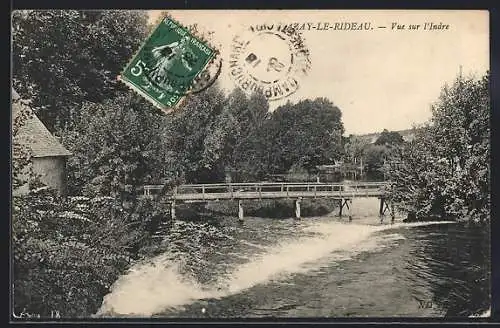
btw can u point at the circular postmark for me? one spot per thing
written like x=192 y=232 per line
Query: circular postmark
x=202 y=81
x=271 y=58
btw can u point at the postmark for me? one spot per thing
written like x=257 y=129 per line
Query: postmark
x=202 y=81
x=173 y=62
x=271 y=58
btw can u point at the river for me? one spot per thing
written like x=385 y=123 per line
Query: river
x=313 y=267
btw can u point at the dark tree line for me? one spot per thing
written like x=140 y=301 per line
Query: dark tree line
x=239 y=135
x=389 y=138
x=305 y=135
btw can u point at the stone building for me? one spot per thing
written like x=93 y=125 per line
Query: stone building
x=48 y=154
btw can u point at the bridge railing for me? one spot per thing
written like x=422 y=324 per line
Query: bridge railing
x=269 y=187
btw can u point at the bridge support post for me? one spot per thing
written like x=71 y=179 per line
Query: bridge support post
x=384 y=206
x=393 y=214
x=381 y=210
x=348 y=203
x=341 y=206
x=172 y=209
x=240 y=210
x=297 y=208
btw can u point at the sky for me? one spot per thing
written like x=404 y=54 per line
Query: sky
x=381 y=78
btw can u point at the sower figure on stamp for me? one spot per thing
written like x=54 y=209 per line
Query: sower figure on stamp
x=167 y=55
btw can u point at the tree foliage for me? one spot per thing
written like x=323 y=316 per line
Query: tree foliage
x=305 y=134
x=215 y=134
x=62 y=58
x=445 y=169
x=354 y=148
x=65 y=256
x=391 y=138
x=68 y=251
x=372 y=156
x=117 y=143
x=236 y=141
x=197 y=154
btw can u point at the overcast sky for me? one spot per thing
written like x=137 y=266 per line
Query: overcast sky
x=379 y=78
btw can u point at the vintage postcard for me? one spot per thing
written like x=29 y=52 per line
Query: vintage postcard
x=250 y=164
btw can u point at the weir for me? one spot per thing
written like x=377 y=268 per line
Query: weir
x=343 y=192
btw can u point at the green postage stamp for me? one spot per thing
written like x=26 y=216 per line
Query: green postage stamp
x=166 y=66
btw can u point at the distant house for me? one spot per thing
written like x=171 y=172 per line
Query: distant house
x=48 y=155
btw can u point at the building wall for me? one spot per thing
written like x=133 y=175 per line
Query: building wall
x=52 y=171
x=21 y=190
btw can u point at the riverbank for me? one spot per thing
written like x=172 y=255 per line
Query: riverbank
x=465 y=220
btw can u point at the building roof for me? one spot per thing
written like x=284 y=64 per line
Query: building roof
x=34 y=133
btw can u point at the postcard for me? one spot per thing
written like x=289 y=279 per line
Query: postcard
x=242 y=164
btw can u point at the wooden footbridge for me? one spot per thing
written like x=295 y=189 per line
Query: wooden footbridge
x=343 y=192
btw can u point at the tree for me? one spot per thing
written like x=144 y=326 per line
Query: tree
x=197 y=155
x=355 y=147
x=374 y=159
x=116 y=144
x=306 y=134
x=65 y=255
x=66 y=251
x=417 y=176
x=62 y=58
x=448 y=161
x=387 y=138
x=251 y=153
x=237 y=137
x=227 y=132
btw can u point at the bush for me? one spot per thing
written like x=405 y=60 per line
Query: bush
x=444 y=172
x=68 y=252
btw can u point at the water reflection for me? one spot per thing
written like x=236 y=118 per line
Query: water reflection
x=453 y=261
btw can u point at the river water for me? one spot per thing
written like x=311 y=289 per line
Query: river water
x=314 y=267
